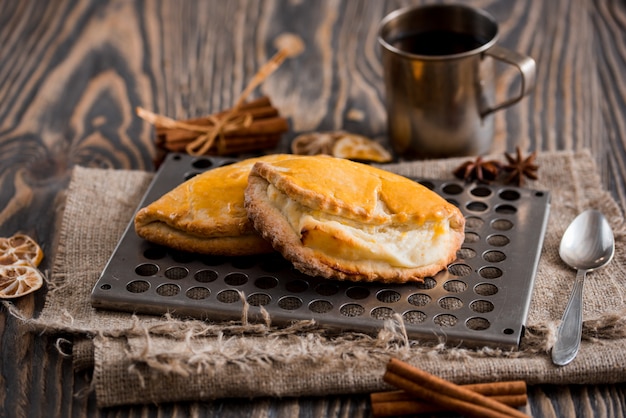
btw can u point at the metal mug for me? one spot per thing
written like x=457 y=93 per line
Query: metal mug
x=439 y=73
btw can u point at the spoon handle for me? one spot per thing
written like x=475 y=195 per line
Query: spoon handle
x=570 y=330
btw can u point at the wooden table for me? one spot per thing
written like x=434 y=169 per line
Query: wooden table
x=72 y=72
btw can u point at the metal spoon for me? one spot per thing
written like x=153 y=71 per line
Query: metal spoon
x=587 y=244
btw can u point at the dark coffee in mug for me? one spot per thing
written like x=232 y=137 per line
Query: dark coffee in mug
x=437 y=42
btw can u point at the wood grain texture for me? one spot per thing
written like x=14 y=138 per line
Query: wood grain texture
x=609 y=23
x=72 y=72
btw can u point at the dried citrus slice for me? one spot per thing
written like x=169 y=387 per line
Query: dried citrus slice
x=16 y=281
x=313 y=143
x=357 y=147
x=20 y=249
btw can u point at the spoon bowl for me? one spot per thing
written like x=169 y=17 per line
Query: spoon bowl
x=588 y=242
x=587 y=245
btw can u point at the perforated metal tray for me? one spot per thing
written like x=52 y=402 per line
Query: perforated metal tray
x=481 y=300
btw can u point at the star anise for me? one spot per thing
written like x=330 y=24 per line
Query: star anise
x=479 y=170
x=519 y=167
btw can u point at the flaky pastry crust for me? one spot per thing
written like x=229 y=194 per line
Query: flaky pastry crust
x=206 y=214
x=341 y=199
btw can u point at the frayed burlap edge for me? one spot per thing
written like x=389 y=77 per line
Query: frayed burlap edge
x=302 y=360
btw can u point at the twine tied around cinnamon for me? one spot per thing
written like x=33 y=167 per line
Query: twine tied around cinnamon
x=218 y=126
x=288 y=45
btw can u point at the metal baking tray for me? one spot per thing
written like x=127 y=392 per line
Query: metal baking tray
x=482 y=299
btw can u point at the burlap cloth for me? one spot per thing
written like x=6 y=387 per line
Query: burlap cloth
x=144 y=359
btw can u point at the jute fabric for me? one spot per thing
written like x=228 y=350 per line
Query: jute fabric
x=154 y=359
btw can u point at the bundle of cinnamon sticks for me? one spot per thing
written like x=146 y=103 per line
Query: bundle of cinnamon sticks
x=248 y=126
x=421 y=392
x=252 y=126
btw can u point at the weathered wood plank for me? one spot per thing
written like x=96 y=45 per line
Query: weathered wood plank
x=609 y=20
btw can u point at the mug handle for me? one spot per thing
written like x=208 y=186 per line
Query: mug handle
x=526 y=67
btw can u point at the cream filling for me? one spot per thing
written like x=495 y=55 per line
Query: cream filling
x=399 y=245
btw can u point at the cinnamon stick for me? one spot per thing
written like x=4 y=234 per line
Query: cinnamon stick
x=233 y=145
x=512 y=387
x=262 y=130
x=262 y=102
x=399 y=402
x=446 y=394
x=260 y=109
x=237 y=121
x=415 y=407
x=181 y=134
x=275 y=125
x=262 y=127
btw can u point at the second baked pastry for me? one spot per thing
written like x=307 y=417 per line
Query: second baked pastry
x=339 y=219
x=205 y=214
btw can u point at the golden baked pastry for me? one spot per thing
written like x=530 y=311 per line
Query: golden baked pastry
x=205 y=214
x=340 y=219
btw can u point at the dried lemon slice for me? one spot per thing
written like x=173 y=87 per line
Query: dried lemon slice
x=340 y=144
x=16 y=281
x=314 y=143
x=357 y=147
x=20 y=249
